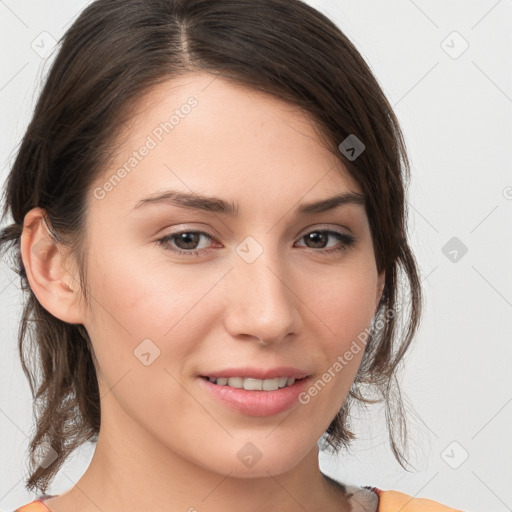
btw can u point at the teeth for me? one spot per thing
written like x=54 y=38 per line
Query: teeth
x=282 y=381
x=251 y=384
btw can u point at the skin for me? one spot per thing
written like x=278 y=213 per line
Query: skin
x=164 y=441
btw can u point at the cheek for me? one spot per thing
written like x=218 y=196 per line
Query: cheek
x=343 y=304
x=344 y=300
x=144 y=325
x=134 y=303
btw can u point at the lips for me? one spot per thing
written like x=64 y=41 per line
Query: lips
x=258 y=373
x=255 y=402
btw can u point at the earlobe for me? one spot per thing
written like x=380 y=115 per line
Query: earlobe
x=49 y=279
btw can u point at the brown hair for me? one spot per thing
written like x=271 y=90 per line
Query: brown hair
x=112 y=54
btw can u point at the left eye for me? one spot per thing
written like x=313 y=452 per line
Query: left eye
x=186 y=242
x=319 y=236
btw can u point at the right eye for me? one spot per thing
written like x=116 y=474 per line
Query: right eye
x=186 y=239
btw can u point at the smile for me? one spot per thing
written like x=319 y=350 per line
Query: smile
x=251 y=384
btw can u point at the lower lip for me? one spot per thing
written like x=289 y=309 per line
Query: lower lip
x=257 y=403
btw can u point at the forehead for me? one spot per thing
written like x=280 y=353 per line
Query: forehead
x=202 y=133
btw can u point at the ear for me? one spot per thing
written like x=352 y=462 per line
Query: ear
x=52 y=282
x=381 y=281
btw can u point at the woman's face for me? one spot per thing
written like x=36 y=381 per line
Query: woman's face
x=266 y=288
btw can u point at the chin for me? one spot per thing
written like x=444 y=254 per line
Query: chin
x=256 y=460
x=274 y=467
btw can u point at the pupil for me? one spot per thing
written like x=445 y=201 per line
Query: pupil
x=184 y=236
x=317 y=237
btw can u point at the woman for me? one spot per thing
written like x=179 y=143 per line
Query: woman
x=209 y=221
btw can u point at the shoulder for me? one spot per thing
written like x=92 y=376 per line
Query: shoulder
x=33 y=506
x=36 y=505
x=394 y=501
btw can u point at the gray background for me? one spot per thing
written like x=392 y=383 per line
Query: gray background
x=455 y=107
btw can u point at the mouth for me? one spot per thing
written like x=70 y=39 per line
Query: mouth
x=252 y=384
x=255 y=397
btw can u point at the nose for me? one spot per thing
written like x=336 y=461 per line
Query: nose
x=262 y=304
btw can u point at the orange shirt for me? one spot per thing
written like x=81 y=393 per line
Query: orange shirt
x=394 y=501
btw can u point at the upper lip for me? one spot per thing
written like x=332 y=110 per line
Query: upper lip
x=259 y=373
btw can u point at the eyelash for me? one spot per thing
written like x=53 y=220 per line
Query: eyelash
x=347 y=242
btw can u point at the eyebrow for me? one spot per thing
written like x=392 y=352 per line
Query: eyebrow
x=217 y=205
